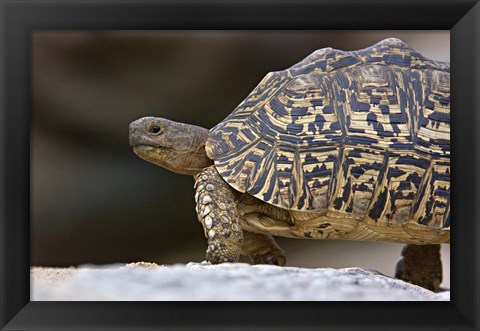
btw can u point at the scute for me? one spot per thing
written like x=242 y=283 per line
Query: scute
x=327 y=134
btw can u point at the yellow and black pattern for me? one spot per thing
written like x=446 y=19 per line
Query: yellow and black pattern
x=362 y=135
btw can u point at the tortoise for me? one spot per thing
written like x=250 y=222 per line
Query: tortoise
x=342 y=145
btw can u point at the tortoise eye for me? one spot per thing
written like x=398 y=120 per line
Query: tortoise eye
x=155 y=129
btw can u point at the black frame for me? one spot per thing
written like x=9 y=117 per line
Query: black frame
x=18 y=18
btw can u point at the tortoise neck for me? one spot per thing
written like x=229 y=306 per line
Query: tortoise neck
x=193 y=160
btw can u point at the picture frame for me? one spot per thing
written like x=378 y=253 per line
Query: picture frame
x=19 y=18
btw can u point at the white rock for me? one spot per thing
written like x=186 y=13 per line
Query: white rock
x=228 y=281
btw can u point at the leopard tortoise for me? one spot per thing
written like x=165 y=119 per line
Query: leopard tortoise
x=342 y=145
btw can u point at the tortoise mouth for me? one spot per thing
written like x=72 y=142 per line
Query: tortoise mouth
x=148 y=148
x=157 y=155
x=167 y=158
x=154 y=154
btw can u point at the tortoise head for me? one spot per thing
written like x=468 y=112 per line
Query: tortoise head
x=175 y=146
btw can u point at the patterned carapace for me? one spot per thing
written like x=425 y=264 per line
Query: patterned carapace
x=364 y=135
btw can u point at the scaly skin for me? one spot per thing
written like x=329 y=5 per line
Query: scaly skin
x=218 y=214
x=217 y=211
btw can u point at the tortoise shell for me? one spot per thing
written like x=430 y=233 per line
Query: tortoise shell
x=361 y=134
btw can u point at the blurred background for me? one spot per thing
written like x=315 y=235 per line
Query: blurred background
x=93 y=201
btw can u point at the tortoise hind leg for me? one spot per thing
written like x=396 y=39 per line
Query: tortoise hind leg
x=421 y=265
x=262 y=249
x=217 y=211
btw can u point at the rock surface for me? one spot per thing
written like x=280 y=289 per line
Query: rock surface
x=201 y=281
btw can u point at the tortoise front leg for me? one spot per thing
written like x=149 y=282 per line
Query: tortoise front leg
x=421 y=265
x=217 y=211
x=262 y=249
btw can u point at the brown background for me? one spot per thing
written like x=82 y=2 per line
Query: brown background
x=94 y=201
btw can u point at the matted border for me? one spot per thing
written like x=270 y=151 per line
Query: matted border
x=18 y=18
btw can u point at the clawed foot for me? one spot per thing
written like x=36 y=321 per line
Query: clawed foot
x=421 y=265
x=273 y=258
x=262 y=249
